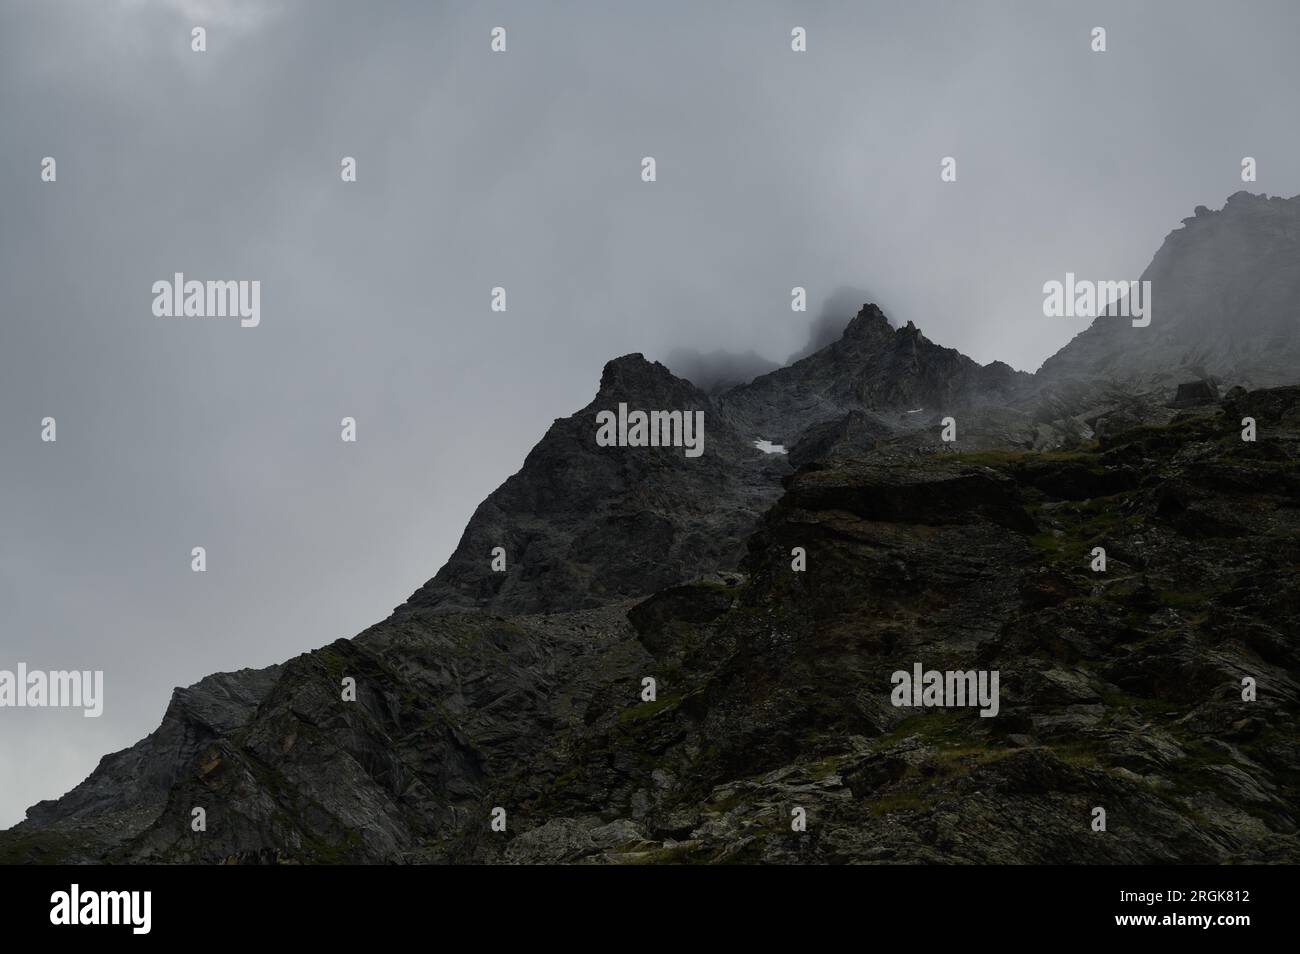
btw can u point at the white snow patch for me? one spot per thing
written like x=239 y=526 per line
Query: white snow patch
x=767 y=447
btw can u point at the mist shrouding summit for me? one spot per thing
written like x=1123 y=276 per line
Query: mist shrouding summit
x=715 y=371
x=829 y=323
x=718 y=370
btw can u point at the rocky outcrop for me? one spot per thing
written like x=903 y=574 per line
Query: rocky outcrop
x=854 y=433
x=872 y=368
x=583 y=525
x=128 y=789
x=1226 y=292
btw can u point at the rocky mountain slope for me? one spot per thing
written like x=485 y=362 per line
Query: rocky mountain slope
x=583 y=525
x=771 y=597
x=872 y=368
x=1119 y=690
x=1226 y=290
x=129 y=789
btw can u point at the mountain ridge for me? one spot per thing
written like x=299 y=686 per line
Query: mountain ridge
x=500 y=685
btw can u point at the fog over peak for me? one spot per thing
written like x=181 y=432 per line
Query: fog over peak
x=717 y=370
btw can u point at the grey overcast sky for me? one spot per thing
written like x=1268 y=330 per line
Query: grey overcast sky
x=519 y=169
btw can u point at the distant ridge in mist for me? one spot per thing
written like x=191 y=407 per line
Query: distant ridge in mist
x=715 y=371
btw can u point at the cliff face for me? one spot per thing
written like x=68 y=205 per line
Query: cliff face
x=1226 y=289
x=524 y=690
x=128 y=789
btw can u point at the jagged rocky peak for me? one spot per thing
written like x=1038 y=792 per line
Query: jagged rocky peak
x=873 y=367
x=633 y=376
x=868 y=324
x=582 y=525
x=1225 y=302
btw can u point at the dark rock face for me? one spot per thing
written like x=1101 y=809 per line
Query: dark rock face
x=584 y=525
x=444 y=704
x=1120 y=688
x=128 y=789
x=852 y=434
